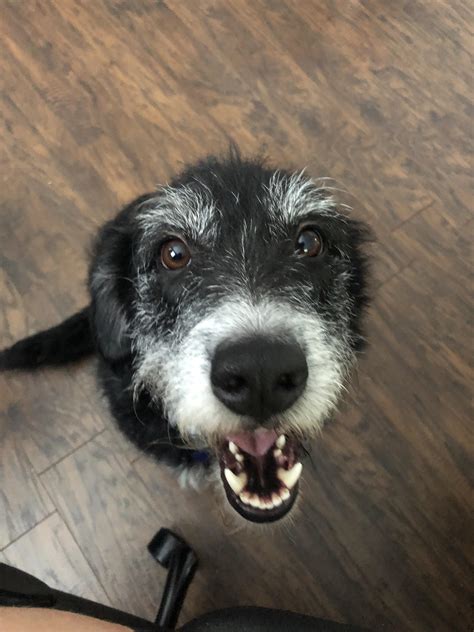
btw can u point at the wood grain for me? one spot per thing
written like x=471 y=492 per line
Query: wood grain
x=49 y=552
x=23 y=499
x=112 y=518
x=100 y=101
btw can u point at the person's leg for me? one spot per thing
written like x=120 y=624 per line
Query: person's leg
x=17 y=619
x=22 y=592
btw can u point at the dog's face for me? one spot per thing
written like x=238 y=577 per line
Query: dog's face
x=249 y=287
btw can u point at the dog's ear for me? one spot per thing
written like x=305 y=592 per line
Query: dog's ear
x=111 y=289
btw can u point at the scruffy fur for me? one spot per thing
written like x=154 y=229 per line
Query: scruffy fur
x=155 y=330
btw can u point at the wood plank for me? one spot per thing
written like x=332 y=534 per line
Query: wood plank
x=50 y=553
x=100 y=101
x=112 y=517
x=244 y=566
x=23 y=499
x=62 y=407
x=58 y=415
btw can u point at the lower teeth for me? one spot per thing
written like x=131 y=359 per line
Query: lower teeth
x=276 y=499
x=238 y=482
x=257 y=502
x=285 y=494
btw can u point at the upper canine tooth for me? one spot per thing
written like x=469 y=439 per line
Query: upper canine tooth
x=236 y=482
x=289 y=477
x=280 y=442
x=233 y=447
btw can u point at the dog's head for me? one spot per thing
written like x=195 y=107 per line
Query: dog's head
x=244 y=320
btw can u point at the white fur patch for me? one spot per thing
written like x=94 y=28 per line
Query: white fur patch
x=291 y=198
x=189 y=210
x=179 y=372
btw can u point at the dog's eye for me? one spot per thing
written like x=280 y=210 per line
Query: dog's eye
x=175 y=254
x=309 y=242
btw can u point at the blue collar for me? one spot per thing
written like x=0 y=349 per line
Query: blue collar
x=200 y=456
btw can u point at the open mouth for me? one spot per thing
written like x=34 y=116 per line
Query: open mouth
x=260 y=471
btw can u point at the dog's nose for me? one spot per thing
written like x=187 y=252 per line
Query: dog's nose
x=258 y=377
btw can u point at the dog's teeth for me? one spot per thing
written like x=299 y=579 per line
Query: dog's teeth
x=280 y=442
x=236 y=482
x=276 y=500
x=245 y=497
x=290 y=477
x=239 y=457
x=284 y=493
x=254 y=501
x=277 y=453
x=233 y=447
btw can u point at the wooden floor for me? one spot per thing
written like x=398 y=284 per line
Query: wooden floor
x=99 y=102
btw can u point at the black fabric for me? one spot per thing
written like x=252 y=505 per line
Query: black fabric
x=18 y=588
x=262 y=620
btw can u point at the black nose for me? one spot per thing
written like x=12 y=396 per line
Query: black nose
x=258 y=377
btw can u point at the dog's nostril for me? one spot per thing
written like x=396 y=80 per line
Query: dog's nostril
x=286 y=381
x=234 y=383
x=291 y=380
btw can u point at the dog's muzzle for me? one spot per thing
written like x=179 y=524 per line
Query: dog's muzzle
x=259 y=378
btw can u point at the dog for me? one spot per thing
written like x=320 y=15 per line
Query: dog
x=226 y=310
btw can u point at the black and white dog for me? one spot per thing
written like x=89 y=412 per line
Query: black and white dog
x=226 y=312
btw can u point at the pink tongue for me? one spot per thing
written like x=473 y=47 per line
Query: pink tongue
x=255 y=443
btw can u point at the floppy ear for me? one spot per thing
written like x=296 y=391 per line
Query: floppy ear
x=111 y=289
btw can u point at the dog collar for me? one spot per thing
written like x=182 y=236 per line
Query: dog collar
x=200 y=456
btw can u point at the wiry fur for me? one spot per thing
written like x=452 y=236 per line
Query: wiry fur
x=177 y=371
x=155 y=330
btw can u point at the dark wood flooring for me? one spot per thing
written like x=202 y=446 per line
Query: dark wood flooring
x=99 y=101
